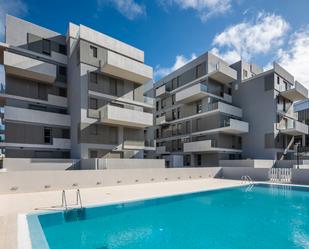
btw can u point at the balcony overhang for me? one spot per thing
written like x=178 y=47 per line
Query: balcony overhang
x=223 y=74
x=206 y=146
x=298 y=92
x=137 y=145
x=162 y=91
x=297 y=129
x=125 y=68
x=125 y=117
x=29 y=68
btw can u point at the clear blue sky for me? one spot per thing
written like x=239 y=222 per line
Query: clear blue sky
x=259 y=30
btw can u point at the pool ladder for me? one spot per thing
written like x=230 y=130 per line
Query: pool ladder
x=64 y=202
x=247 y=179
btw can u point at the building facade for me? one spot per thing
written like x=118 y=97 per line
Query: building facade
x=79 y=95
x=208 y=111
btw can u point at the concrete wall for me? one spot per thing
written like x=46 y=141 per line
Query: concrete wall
x=31 y=164
x=120 y=163
x=236 y=173
x=18 y=182
x=254 y=100
x=247 y=163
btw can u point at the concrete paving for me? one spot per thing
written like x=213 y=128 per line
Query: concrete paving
x=13 y=204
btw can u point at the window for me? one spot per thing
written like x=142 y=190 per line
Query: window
x=47 y=136
x=93 y=103
x=65 y=133
x=187 y=126
x=245 y=73
x=157 y=106
x=199 y=160
x=179 y=128
x=174 y=115
x=94 y=51
x=199 y=107
x=93 y=77
x=178 y=112
x=62 y=92
x=113 y=87
x=278 y=80
x=62 y=49
x=163 y=103
x=46 y=46
x=62 y=74
x=173 y=99
x=93 y=154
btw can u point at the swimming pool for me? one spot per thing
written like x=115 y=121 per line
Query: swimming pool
x=265 y=216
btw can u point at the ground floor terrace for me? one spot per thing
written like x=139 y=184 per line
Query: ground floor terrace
x=14 y=205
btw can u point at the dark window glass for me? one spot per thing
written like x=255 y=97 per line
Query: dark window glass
x=46 y=47
x=62 y=49
x=47 y=136
x=157 y=105
x=199 y=159
x=93 y=154
x=62 y=92
x=94 y=51
x=65 y=133
x=62 y=74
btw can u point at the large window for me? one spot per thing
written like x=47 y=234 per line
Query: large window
x=46 y=47
x=93 y=154
x=47 y=135
x=62 y=49
x=94 y=51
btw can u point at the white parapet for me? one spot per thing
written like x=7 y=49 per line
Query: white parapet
x=35 y=116
x=126 y=68
x=58 y=143
x=127 y=117
x=30 y=68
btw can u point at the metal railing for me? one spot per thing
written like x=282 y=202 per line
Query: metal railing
x=280 y=175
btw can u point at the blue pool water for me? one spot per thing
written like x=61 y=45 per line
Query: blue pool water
x=266 y=217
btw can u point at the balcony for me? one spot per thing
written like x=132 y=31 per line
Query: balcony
x=161 y=150
x=292 y=127
x=58 y=143
x=234 y=126
x=123 y=67
x=161 y=120
x=197 y=92
x=139 y=145
x=35 y=116
x=162 y=91
x=110 y=114
x=29 y=68
x=298 y=92
x=223 y=74
x=206 y=146
x=229 y=126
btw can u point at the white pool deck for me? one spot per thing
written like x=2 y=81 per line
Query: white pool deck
x=14 y=204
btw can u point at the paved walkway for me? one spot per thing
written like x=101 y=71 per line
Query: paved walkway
x=13 y=204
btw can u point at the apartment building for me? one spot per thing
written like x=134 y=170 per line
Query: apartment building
x=208 y=110
x=78 y=95
x=197 y=123
x=302 y=110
